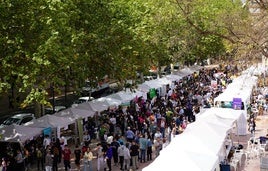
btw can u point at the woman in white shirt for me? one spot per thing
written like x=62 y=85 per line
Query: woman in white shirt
x=88 y=156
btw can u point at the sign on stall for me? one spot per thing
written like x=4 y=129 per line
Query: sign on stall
x=237 y=103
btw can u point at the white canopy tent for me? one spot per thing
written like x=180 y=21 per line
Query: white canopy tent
x=75 y=113
x=173 y=77
x=240 y=88
x=84 y=106
x=191 y=152
x=184 y=72
x=51 y=121
x=203 y=142
x=19 y=133
x=171 y=162
x=123 y=96
x=211 y=134
x=98 y=106
x=103 y=103
x=159 y=84
x=143 y=88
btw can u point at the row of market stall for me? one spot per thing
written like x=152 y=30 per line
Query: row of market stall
x=206 y=143
x=61 y=121
x=202 y=146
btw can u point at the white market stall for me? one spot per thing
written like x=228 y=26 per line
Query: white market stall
x=181 y=161
x=19 y=133
x=75 y=113
x=203 y=142
x=83 y=106
x=184 y=72
x=51 y=121
x=122 y=96
x=241 y=88
x=173 y=77
x=103 y=103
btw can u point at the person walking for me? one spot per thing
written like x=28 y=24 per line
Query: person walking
x=130 y=135
x=49 y=161
x=143 y=147
x=158 y=146
x=77 y=156
x=55 y=154
x=4 y=164
x=88 y=156
x=149 y=149
x=109 y=156
x=115 y=144
x=126 y=157
x=120 y=152
x=19 y=161
x=134 y=153
x=100 y=157
x=39 y=158
x=66 y=157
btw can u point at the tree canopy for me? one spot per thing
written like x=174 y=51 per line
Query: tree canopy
x=61 y=42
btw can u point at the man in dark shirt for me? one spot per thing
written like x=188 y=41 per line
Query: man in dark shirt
x=134 y=153
x=115 y=145
x=78 y=154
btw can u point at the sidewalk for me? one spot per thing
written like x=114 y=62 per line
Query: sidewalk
x=253 y=164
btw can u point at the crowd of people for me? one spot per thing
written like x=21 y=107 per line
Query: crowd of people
x=128 y=135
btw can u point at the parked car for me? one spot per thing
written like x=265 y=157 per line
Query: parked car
x=88 y=90
x=82 y=100
x=49 y=110
x=18 y=119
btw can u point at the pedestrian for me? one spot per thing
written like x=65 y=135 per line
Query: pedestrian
x=4 y=164
x=109 y=156
x=149 y=149
x=49 y=161
x=55 y=154
x=46 y=141
x=126 y=157
x=100 y=157
x=158 y=146
x=39 y=158
x=66 y=157
x=86 y=138
x=134 y=153
x=19 y=161
x=115 y=144
x=162 y=126
x=77 y=155
x=143 y=147
x=88 y=156
x=130 y=135
x=58 y=144
x=120 y=152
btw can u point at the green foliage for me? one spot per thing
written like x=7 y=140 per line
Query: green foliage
x=55 y=43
